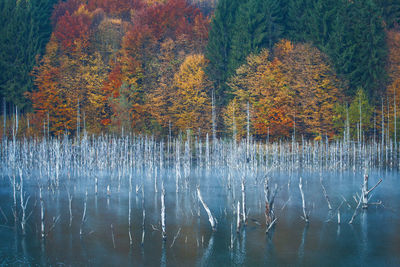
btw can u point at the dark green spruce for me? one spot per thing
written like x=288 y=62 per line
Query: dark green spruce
x=24 y=31
x=218 y=49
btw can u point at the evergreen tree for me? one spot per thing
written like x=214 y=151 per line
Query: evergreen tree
x=257 y=25
x=357 y=46
x=321 y=15
x=311 y=20
x=297 y=17
x=350 y=32
x=25 y=29
x=390 y=12
x=219 y=46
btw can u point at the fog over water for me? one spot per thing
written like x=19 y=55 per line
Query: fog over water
x=113 y=189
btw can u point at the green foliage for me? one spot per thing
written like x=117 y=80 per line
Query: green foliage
x=297 y=18
x=218 y=49
x=390 y=12
x=359 y=111
x=24 y=31
x=239 y=28
x=257 y=25
x=350 y=32
x=358 y=47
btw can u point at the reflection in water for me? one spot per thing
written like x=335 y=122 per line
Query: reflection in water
x=270 y=245
x=302 y=244
x=163 y=255
x=24 y=249
x=43 y=252
x=364 y=235
x=205 y=260
x=290 y=243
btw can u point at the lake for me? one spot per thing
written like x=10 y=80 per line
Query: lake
x=113 y=190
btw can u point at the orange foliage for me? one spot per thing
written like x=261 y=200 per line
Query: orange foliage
x=116 y=7
x=393 y=89
x=72 y=31
x=296 y=88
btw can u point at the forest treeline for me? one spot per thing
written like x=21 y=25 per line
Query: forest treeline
x=310 y=67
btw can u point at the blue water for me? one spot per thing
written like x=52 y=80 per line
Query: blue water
x=372 y=240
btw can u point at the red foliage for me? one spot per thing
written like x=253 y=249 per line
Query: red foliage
x=116 y=7
x=137 y=44
x=105 y=122
x=114 y=82
x=62 y=7
x=72 y=29
x=169 y=19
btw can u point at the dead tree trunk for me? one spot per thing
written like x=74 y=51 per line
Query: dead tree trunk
x=210 y=216
x=364 y=196
x=164 y=234
x=41 y=213
x=24 y=204
x=269 y=205
x=326 y=195
x=130 y=217
x=305 y=216
x=70 y=207
x=83 y=215
x=238 y=217
x=365 y=191
x=244 y=215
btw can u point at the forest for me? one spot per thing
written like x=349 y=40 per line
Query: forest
x=199 y=132
x=275 y=68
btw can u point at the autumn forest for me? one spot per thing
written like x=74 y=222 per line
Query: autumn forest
x=300 y=67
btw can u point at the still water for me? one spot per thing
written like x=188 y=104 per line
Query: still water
x=372 y=240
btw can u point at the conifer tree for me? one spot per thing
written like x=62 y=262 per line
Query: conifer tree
x=219 y=46
x=24 y=31
x=257 y=25
x=357 y=46
x=390 y=12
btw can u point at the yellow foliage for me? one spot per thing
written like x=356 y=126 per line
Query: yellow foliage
x=295 y=88
x=191 y=106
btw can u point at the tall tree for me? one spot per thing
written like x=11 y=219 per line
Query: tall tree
x=390 y=12
x=358 y=46
x=296 y=87
x=218 y=48
x=24 y=31
x=257 y=25
x=191 y=107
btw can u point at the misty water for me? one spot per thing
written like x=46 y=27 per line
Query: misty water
x=117 y=179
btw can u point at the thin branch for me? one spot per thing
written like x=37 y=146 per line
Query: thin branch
x=270 y=225
x=369 y=191
x=175 y=237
